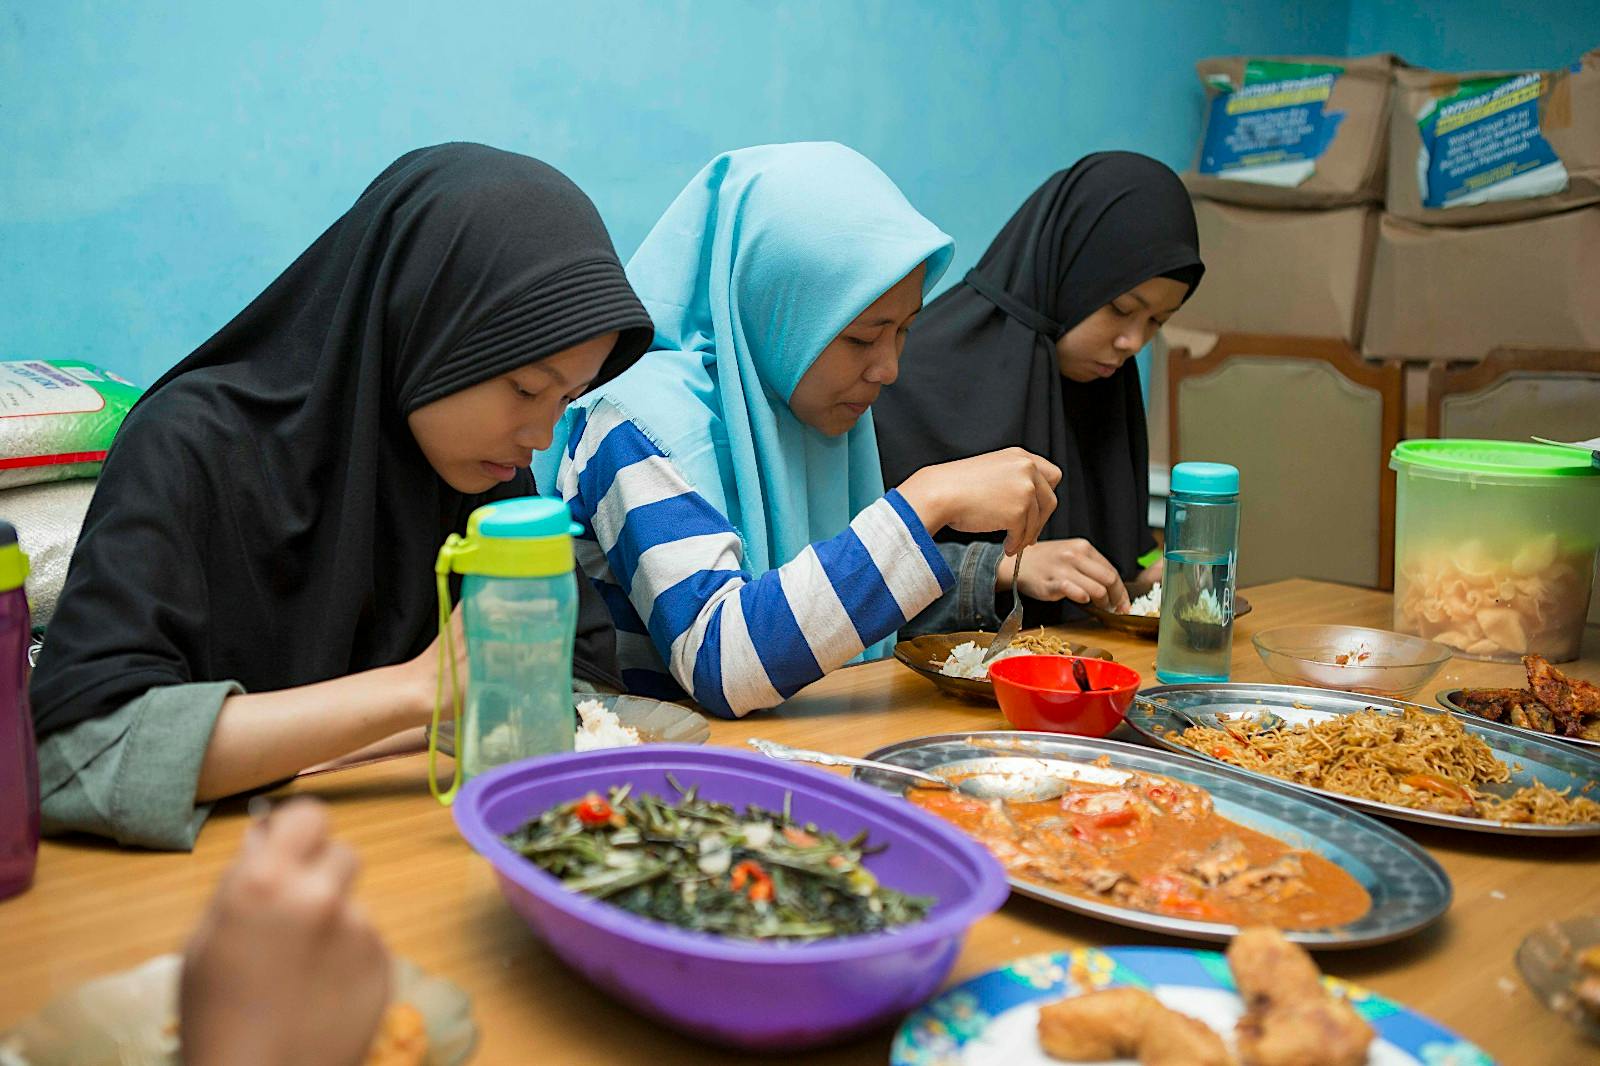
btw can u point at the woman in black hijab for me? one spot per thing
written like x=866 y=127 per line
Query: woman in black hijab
x=1035 y=349
x=253 y=590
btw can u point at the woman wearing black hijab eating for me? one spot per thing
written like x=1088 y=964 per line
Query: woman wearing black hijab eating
x=1035 y=349
x=253 y=590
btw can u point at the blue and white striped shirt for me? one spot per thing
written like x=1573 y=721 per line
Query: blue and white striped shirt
x=689 y=618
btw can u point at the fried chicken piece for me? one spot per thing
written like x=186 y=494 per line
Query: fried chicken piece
x=1555 y=690
x=1532 y=714
x=1585 y=697
x=1127 y=1022
x=1289 y=1019
x=1494 y=703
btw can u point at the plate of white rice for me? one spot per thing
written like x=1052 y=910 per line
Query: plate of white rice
x=620 y=722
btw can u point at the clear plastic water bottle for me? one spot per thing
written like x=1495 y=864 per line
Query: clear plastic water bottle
x=519 y=607
x=1202 y=547
x=19 y=768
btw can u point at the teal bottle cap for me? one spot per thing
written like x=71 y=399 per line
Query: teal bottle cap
x=524 y=517
x=1205 y=479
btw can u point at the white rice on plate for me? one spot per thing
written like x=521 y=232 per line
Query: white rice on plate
x=601 y=728
x=1148 y=605
x=966 y=660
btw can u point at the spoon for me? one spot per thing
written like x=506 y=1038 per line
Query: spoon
x=978 y=786
x=1013 y=623
x=1081 y=676
x=1265 y=720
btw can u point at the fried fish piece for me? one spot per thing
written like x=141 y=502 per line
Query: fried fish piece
x=1289 y=1019
x=1555 y=690
x=1127 y=1022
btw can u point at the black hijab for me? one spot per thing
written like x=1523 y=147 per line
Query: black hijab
x=979 y=371
x=265 y=514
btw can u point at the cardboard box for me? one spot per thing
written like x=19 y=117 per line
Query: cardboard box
x=1295 y=131
x=1297 y=272
x=1466 y=149
x=1455 y=293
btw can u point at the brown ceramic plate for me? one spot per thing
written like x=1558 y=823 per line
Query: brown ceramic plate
x=924 y=654
x=1147 y=626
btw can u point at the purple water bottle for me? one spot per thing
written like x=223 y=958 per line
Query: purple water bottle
x=19 y=768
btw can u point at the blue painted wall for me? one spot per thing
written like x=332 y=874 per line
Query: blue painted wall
x=1476 y=34
x=161 y=163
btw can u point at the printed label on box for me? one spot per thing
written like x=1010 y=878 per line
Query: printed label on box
x=1482 y=144
x=34 y=387
x=1271 y=129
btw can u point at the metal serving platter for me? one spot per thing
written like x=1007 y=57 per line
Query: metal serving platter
x=1449 y=697
x=1409 y=890
x=1531 y=756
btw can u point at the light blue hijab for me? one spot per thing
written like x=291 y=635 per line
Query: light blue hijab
x=758 y=264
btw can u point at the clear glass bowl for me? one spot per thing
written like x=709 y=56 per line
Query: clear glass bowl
x=1352 y=658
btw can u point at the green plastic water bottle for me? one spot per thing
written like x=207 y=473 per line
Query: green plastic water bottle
x=1195 y=642
x=519 y=608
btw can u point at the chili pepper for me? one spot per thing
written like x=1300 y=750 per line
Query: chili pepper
x=799 y=837
x=592 y=811
x=749 y=872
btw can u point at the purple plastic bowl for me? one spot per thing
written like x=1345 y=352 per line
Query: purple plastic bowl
x=764 y=997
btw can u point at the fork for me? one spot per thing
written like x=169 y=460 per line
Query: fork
x=1013 y=623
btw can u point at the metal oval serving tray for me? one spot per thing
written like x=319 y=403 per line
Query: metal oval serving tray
x=1531 y=756
x=1409 y=889
x=1447 y=698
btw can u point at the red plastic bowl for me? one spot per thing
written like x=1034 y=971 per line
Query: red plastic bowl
x=1038 y=692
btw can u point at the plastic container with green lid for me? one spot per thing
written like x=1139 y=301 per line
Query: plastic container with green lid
x=519 y=613
x=1495 y=545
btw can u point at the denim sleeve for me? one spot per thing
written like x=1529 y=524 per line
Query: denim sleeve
x=967 y=604
x=131 y=775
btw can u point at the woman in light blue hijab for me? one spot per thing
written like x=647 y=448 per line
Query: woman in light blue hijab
x=729 y=485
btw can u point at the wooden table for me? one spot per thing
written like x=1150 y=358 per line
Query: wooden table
x=96 y=908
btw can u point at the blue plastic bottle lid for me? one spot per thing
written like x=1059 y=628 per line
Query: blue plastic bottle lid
x=525 y=516
x=1205 y=479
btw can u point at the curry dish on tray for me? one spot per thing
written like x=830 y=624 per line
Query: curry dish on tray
x=1157 y=845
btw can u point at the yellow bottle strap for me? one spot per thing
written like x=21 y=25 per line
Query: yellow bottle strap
x=447 y=654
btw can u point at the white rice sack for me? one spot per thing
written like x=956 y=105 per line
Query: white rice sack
x=58 y=418
x=48 y=519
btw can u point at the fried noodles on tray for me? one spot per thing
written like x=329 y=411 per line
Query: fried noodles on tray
x=1411 y=759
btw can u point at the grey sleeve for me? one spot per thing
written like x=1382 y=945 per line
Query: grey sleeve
x=131 y=775
x=967 y=604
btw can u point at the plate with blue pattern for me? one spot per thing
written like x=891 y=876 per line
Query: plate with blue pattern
x=1408 y=888
x=1531 y=757
x=992 y=1019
